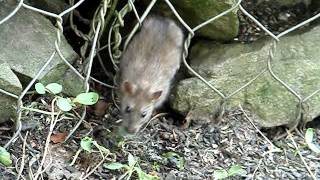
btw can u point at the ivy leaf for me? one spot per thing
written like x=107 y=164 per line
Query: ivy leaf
x=220 y=174
x=131 y=160
x=114 y=166
x=309 y=140
x=86 y=143
x=40 y=88
x=89 y=98
x=236 y=170
x=5 y=157
x=54 y=88
x=64 y=104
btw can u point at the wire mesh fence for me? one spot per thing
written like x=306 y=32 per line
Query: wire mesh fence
x=102 y=17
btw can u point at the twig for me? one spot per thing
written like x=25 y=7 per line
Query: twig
x=75 y=157
x=153 y=118
x=29 y=147
x=256 y=169
x=113 y=92
x=13 y=138
x=102 y=83
x=258 y=130
x=38 y=110
x=302 y=159
x=271 y=150
x=46 y=149
x=23 y=156
x=31 y=162
x=99 y=164
x=91 y=56
x=96 y=167
x=77 y=125
x=48 y=165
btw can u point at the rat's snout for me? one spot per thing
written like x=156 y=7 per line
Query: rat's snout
x=127 y=131
x=131 y=130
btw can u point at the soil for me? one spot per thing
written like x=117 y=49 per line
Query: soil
x=196 y=152
x=202 y=149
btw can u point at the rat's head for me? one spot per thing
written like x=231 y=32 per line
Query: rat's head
x=137 y=106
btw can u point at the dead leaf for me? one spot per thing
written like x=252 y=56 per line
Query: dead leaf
x=59 y=137
x=100 y=108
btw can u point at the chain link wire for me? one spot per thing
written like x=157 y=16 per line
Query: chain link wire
x=115 y=39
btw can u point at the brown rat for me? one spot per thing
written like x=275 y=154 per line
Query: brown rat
x=147 y=67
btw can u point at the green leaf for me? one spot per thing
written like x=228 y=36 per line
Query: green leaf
x=309 y=135
x=40 y=88
x=89 y=98
x=309 y=140
x=114 y=166
x=131 y=160
x=236 y=170
x=140 y=173
x=220 y=174
x=5 y=157
x=64 y=104
x=54 y=88
x=176 y=159
x=86 y=143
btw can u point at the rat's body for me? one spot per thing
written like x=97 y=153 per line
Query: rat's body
x=147 y=68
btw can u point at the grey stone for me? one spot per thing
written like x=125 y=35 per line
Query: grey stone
x=56 y=6
x=27 y=41
x=228 y=67
x=195 y=12
x=10 y=83
x=72 y=84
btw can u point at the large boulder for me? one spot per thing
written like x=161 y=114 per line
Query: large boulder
x=230 y=66
x=195 y=12
x=10 y=83
x=27 y=41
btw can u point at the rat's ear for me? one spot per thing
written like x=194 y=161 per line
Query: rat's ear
x=156 y=95
x=128 y=88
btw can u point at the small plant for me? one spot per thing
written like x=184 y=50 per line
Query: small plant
x=130 y=168
x=5 y=157
x=66 y=104
x=156 y=166
x=233 y=171
x=174 y=159
x=309 y=137
x=87 y=143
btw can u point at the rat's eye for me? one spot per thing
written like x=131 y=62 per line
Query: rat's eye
x=127 y=109
x=143 y=114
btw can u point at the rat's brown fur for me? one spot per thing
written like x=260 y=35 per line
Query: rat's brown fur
x=147 y=68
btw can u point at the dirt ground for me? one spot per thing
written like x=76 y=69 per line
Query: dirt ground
x=200 y=150
x=163 y=148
